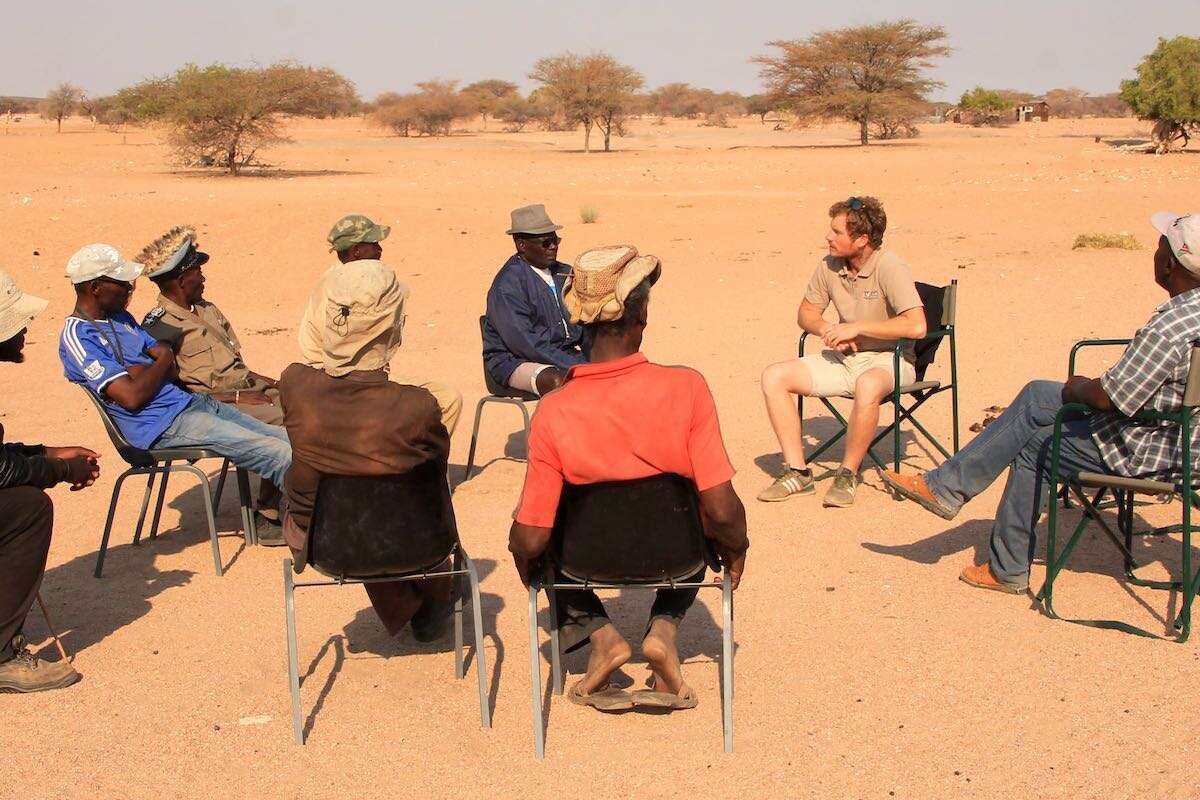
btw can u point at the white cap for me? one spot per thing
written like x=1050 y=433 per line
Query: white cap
x=17 y=309
x=1183 y=234
x=101 y=261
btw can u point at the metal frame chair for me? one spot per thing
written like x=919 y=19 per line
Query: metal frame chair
x=940 y=307
x=161 y=461
x=496 y=394
x=1123 y=490
x=343 y=518
x=683 y=515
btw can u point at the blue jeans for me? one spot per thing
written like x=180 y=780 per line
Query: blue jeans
x=261 y=448
x=1020 y=438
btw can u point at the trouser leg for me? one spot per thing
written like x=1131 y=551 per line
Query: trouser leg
x=269 y=494
x=26 y=523
x=977 y=465
x=1014 y=535
x=448 y=398
x=249 y=443
x=578 y=613
x=673 y=604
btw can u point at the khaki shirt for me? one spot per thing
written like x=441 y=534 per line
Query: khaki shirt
x=207 y=350
x=312 y=325
x=882 y=289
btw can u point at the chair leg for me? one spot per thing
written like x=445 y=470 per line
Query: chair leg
x=535 y=678
x=247 y=504
x=137 y=532
x=556 y=673
x=162 y=495
x=459 y=671
x=216 y=500
x=112 y=510
x=485 y=712
x=62 y=651
x=289 y=608
x=525 y=416
x=474 y=438
x=208 y=510
x=727 y=660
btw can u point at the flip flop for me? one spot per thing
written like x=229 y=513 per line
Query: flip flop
x=607 y=698
x=648 y=698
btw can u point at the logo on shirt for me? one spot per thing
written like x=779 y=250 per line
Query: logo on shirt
x=94 y=370
x=870 y=294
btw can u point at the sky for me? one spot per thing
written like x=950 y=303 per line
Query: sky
x=384 y=45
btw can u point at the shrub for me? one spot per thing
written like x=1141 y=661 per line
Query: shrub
x=1106 y=241
x=588 y=215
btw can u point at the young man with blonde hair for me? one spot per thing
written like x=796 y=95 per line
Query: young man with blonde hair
x=877 y=303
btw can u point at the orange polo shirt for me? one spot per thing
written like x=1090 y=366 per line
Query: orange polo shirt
x=621 y=420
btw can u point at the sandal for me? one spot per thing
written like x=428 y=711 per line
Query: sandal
x=648 y=698
x=607 y=698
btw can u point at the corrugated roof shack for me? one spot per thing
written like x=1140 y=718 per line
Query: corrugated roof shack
x=1037 y=109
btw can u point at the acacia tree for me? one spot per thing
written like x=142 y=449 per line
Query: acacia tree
x=223 y=116
x=486 y=95
x=985 y=104
x=429 y=112
x=856 y=74
x=1167 y=90
x=61 y=102
x=590 y=90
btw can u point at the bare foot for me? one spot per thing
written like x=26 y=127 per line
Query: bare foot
x=609 y=653
x=659 y=649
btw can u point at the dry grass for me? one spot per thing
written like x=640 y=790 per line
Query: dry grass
x=1106 y=241
x=588 y=215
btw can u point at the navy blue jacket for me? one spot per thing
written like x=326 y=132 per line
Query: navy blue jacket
x=526 y=322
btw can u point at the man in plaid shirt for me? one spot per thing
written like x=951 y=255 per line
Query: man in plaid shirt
x=1150 y=376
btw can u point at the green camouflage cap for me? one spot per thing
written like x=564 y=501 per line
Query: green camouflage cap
x=354 y=229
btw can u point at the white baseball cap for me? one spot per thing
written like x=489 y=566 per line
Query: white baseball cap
x=1183 y=234
x=17 y=309
x=101 y=261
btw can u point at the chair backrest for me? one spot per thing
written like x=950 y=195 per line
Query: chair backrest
x=135 y=456
x=939 y=302
x=1191 y=394
x=368 y=526
x=636 y=531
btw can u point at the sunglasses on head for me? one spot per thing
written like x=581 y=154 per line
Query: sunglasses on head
x=855 y=203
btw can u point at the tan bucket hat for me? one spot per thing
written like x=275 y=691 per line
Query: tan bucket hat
x=532 y=220
x=601 y=280
x=17 y=309
x=364 y=318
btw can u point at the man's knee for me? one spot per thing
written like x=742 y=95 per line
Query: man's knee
x=784 y=377
x=871 y=387
x=1042 y=391
x=28 y=508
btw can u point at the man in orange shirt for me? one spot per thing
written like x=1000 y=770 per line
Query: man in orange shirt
x=621 y=417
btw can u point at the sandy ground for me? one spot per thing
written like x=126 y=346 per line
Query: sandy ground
x=864 y=668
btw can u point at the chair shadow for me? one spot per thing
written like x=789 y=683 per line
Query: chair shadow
x=818 y=430
x=365 y=634
x=516 y=448
x=87 y=610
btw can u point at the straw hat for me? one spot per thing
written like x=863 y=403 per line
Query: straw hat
x=601 y=280
x=17 y=309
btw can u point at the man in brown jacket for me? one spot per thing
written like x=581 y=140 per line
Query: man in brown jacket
x=346 y=418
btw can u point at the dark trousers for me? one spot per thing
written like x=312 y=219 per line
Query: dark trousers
x=578 y=613
x=26 y=521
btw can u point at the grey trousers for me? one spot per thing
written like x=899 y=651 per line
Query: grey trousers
x=1019 y=440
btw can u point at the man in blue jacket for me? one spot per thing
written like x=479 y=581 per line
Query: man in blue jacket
x=529 y=342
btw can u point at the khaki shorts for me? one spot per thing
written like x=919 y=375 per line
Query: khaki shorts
x=834 y=374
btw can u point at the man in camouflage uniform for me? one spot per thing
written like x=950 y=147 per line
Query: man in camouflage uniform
x=356 y=239
x=207 y=350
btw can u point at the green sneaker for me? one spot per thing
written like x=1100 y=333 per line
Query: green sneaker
x=841 y=493
x=791 y=482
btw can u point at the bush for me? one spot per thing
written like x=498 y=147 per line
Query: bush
x=1167 y=91
x=1106 y=241
x=429 y=112
x=588 y=215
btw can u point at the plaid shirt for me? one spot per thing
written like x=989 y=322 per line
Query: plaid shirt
x=1151 y=376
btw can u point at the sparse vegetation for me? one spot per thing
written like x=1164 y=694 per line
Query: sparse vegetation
x=588 y=214
x=428 y=112
x=595 y=90
x=486 y=96
x=985 y=106
x=1167 y=91
x=62 y=102
x=1106 y=241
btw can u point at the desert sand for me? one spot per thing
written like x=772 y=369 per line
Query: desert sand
x=864 y=668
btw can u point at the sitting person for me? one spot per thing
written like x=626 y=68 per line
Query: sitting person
x=1151 y=375
x=621 y=417
x=27 y=515
x=207 y=352
x=347 y=418
x=877 y=303
x=105 y=350
x=356 y=240
x=529 y=342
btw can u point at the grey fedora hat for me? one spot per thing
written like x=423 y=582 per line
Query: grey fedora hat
x=532 y=220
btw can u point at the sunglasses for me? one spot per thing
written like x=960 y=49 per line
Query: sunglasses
x=544 y=241
x=855 y=203
x=127 y=285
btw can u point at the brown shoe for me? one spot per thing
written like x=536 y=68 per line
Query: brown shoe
x=981 y=577
x=25 y=673
x=913 y=487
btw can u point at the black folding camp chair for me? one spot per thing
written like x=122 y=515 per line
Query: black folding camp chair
x=644 y=534
x=496 y=394
x=383 y=528
x=1122 y=491
x=163 y=461
x=939 y=302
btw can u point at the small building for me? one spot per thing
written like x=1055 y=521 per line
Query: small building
x=1030 y=110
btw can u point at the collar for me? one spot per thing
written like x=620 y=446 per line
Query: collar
x=607 y=369
x=1187 y=298
x=557 y=268
x=866 y=270
x=363 y=376
x=173 y=307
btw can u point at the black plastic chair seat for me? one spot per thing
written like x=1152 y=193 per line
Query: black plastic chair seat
x=646 y=530
x=372 y=526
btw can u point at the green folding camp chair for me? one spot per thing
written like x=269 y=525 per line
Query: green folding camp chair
x=939 y=302
x=1118 y=492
